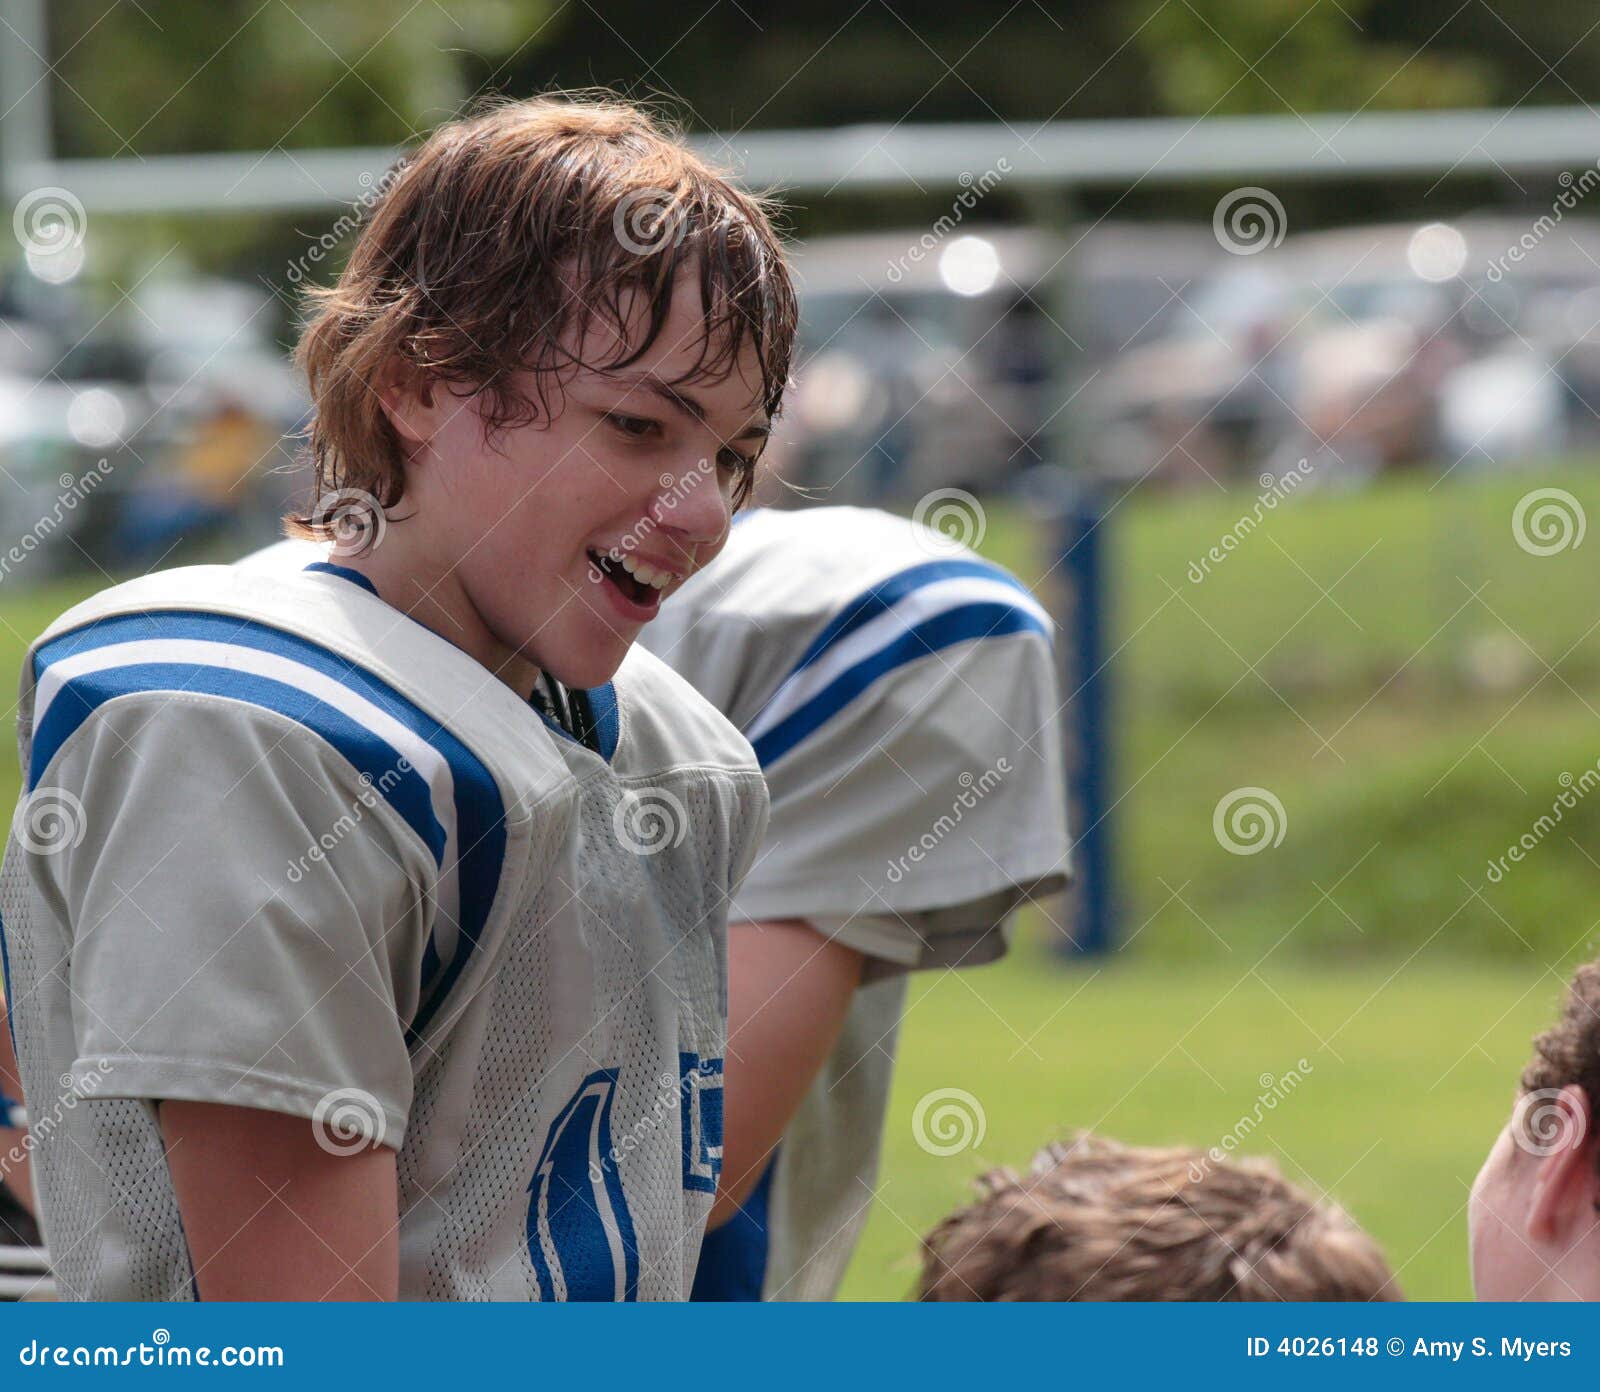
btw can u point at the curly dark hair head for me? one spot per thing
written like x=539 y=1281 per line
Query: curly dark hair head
x=1568 y=1052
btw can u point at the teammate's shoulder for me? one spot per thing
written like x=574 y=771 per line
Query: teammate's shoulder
x=668 y=724
x=838 y=530
x=812 y=562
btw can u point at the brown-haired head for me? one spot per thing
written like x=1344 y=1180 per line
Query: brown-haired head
x=1568 y=1053
x=495 y=247
x=1098 y=1220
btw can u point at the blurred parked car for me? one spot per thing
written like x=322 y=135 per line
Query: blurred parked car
x=1362 y=349
x=928 y=362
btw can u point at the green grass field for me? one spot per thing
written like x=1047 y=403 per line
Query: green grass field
x=1410 y=1079
x=1411 y=685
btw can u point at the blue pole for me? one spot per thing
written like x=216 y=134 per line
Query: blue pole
x=1089 y=727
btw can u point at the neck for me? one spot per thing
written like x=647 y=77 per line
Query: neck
x=435 y=598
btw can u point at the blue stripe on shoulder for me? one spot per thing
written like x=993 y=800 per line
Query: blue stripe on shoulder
x=887 y=593
x=355 y=577
x=480 y=811
x=985 y=619
x=371 y=755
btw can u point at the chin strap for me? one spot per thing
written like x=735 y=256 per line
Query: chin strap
x=568 y=709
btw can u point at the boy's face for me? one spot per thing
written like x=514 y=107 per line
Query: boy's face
x=1505 y=1264
x=554 y=543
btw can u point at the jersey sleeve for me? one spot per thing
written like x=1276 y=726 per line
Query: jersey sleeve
x=917 y=786
x=246 y=914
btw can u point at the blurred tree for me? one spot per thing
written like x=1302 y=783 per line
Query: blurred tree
x=1278 y=56
x=136 y=77
x=186 y=75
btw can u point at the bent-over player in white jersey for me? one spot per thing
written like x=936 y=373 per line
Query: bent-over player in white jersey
x=901 y=695
x=363 y=937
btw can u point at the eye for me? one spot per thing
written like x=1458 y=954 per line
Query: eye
x=635 y=427
x=734 y=462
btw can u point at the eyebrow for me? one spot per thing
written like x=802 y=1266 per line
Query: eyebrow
x=756 y=430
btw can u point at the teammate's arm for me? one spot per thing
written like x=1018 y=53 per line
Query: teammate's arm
x=270 y=1214
x=789 y=990
x=14 y=1168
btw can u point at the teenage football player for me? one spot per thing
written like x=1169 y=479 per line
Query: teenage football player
x=364 y=938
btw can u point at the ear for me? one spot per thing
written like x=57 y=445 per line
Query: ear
x=408 y=398
x=1567 y=1187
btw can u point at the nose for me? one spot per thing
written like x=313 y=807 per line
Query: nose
x=693 y=506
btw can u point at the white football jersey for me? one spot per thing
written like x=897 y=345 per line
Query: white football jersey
x=284 y=847
x=902 y=697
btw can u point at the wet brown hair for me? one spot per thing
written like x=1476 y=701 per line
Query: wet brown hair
x=510 y=230
x=1099 y=1220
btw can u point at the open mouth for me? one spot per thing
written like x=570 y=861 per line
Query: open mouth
x=634 y=590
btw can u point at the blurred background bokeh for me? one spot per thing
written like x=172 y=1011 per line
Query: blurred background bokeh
x=1298 y=302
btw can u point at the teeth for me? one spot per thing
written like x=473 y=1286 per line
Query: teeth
x=646 y=575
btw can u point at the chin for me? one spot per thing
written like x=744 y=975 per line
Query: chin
x=593 y=667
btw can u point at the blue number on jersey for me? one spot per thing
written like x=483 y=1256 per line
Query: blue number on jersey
x=700 y=1089
x=580 y=1234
